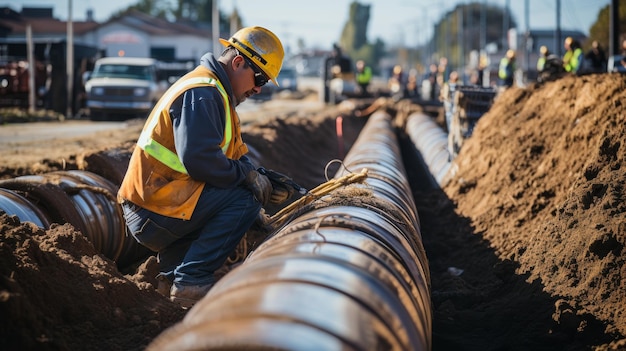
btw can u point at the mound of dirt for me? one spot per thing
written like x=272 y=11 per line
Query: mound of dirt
x=525 y=243
x=542 y=184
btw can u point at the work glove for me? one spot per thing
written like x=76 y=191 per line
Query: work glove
x=283 y=187
x=260 y=186
x=280 y=193
x=262 y=218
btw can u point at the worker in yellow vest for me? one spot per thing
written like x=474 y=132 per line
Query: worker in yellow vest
x=190 y=192
x=573 y=56
x=363 y=77
x=543 y=55
x=506 y=69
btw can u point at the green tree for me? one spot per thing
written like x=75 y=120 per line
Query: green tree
x=155 y=8
x=353 y=40
x=600 y=29
x=193 y=12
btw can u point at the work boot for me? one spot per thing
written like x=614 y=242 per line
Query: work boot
x=187 y=295
x=164 y=286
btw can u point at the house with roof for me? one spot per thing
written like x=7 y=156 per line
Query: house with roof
x=48 y=37
x=137 y=34
x=133 y=34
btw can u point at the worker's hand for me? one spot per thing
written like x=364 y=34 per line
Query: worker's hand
x=280 y=193
x=262 y=219
x=260 y=186
x=262 y=225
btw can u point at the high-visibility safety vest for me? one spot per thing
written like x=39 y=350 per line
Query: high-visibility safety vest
x=156 y=179
x=572 y=59
x=365 y=76
x=505 y=70
x=541 y=62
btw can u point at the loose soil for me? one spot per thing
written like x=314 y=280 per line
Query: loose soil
x=525 y=242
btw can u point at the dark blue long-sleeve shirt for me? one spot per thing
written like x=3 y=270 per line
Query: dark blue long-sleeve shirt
x=198 y=118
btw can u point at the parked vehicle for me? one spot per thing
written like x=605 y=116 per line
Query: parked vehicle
x=14 y=80
x=123 y=87
x=287 y=79
x=614 y=64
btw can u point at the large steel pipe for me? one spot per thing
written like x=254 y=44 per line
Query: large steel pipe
x=348 y=273
x=81 y=198
x=431 y=141
x=14 y=204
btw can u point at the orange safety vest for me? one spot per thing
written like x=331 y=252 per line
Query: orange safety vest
x=156 y=179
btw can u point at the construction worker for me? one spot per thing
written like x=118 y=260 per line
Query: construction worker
x=573 y=55
x=363 y=76
x=397 y=83
x=506 y=71
x=190 y=192
x=448 y=90
x=543 y=54
x=596 y=59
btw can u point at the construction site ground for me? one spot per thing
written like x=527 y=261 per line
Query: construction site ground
x=525 y=242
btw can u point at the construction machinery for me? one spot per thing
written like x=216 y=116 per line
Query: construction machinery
x=463 y=108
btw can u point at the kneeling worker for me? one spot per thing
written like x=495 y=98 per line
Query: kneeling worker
x=190 y=192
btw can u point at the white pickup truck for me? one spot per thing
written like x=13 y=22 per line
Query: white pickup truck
x=120 y=88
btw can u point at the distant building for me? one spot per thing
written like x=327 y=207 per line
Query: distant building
x=139 y=35
x=49 y=39
x=133 y=34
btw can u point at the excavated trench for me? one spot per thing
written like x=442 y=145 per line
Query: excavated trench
x=356 y=250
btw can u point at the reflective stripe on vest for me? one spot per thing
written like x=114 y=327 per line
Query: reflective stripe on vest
x=162 y=153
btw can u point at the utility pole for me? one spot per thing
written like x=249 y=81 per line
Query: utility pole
x=483 y=25
x=528 y=47
x=460 y=31
x=70 y=61
x=558 y=45
x=215 y=19
x=32 y=70
x=505 y=25
x=614 y=44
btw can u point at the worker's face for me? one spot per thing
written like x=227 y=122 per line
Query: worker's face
x=246 y=79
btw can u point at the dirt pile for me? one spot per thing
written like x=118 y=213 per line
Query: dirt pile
x=542 y=183
x=525 y=244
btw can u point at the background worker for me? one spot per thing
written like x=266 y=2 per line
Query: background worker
x=506 y=70
x=573 y=55
x=397 y=83
x=363 y=77
x=543 y=55
x=190 y=193
x=446 y=96
x=430 y=83
x=596 y=58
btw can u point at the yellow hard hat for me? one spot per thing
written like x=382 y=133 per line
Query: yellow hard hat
x=261 y=46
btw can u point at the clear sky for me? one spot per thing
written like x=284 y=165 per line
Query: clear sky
x=319 y=22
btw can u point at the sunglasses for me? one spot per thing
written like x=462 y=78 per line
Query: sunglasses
x=259 y=78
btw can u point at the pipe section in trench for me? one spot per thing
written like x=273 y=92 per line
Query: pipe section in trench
x=432 y=145
x=84 y=199
x=347 y=273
